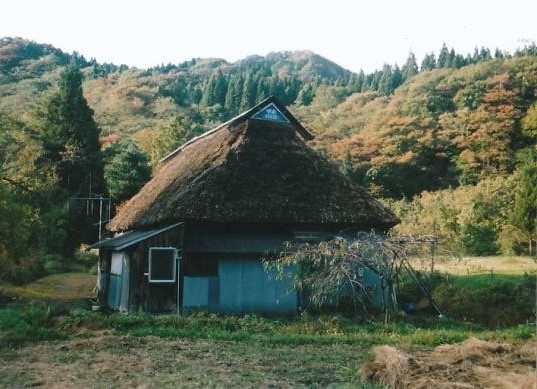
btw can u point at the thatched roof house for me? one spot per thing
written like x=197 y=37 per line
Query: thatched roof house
x=246 y=186
x=252 y=171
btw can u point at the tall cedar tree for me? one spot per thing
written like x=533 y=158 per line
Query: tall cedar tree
x=410 y=68
x=525 y=208
x=70 y=141
x=70 y=138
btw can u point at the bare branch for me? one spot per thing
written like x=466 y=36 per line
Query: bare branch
x=333 y=270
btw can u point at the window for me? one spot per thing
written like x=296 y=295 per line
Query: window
x=162 y=267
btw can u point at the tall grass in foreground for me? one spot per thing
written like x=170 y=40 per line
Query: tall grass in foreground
x=21 y=324
x=500 y=307
x=31 y=323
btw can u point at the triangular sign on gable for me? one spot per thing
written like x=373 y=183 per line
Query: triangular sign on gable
x=272 y=113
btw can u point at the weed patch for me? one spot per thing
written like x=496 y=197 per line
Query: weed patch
x=494 y=301
x=18 y=326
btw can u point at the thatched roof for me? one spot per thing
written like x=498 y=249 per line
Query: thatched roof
x=252 y=170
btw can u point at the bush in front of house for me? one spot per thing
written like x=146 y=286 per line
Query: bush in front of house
x=491 y=300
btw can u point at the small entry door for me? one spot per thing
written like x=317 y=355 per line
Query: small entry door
x=118 y=286
x=163 y=276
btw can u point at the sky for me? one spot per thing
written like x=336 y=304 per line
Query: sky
x=353 y=33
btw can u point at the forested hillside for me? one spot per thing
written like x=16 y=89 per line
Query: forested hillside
x=448 y=141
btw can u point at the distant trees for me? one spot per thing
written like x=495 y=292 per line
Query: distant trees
x=126 y=171
x=524 y=214
x=215 y=90
x=70 y=148
x=471 y=220
x=70 y=137
x=17 y=228
x=171 y=134
x=466 y=133
x=428 y=62
x=496 y=215
x=410 y=68
x=529 y=123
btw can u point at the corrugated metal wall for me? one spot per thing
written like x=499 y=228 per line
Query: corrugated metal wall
x=201 y=293
x=118 y=288
x=242 y=286
x=245 y=286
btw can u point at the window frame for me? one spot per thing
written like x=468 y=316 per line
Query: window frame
x=150 y=260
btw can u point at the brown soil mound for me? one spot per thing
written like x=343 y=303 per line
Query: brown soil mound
x=471 y=364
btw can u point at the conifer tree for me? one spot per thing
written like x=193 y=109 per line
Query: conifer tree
x=70 y=141
x=410 y=68
x=70 y=137
x=249 y=93
x=233 y=95
x=385 y=85
x=443 y=57
x=397 y=77
x=429 y=62
x=215 y=90
x=525 y=208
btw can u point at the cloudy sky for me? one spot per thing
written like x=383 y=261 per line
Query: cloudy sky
x=355 y=34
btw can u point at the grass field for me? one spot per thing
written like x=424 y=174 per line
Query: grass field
x=61 y=287
x=80 y=348
x=479 y=265
x=50 y=337
x=111 y=360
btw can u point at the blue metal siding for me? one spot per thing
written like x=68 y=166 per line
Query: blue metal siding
x=378 y=293
x=245 y=286
x=114 y=291
x=230 y=275
x=196 y=292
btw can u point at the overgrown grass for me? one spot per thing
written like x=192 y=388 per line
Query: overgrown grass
x=491 y=300
x=204 y=349
x=19 y=324
x=54 y=287
x=31 y=323
x=311 y=330
x=485 y=306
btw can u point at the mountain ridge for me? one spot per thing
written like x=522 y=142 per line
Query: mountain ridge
x=457 y=135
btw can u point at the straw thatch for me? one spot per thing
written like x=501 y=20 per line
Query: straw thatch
x=473 y=363
x=251 y=171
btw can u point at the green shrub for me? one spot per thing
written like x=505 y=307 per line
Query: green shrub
x=93 y=270
x=54 y=263
x=492 y=300
x=81 y=317
x=479 y=239
x=409 y=295
x=87 y=259
x=121 y=321
x=35 y=322
x=22 y=269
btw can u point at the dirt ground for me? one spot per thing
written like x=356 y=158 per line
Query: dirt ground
x=471 y=364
